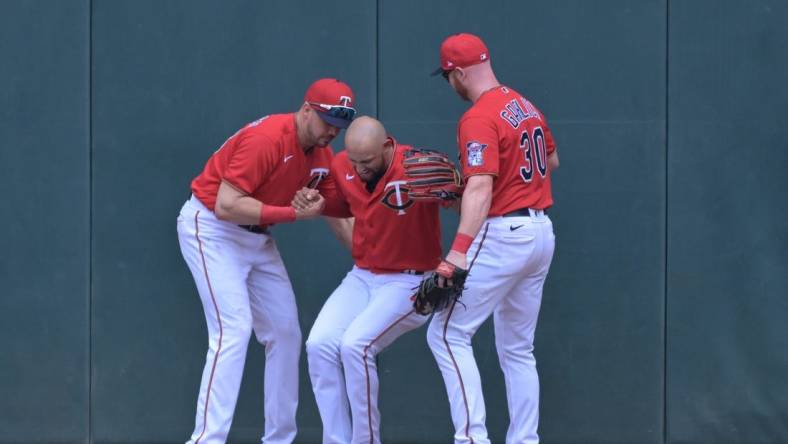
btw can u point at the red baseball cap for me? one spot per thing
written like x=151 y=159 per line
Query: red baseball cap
x=461 y=51
x=333 y=100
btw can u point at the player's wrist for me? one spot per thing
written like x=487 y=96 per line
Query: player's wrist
x=272 y=214
x=462 y=243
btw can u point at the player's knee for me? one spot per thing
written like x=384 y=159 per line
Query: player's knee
x=321 y=346
x=288 y=333
x=237 y=329
x=352 y=348
x=516 y=352
x=314 y=346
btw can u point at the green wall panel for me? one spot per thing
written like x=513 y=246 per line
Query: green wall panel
x=727 y=239
x=44 y=270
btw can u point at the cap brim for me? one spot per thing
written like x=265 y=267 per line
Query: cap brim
x=334 y=121
x=437 y=71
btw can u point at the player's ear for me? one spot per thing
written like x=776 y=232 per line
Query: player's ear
x=460 y=73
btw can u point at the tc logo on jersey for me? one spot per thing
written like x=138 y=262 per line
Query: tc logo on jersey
x=317 y=174
x=395 y=191
x=475 y=153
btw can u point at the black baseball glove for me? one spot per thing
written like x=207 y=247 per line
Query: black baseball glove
x=430 y=297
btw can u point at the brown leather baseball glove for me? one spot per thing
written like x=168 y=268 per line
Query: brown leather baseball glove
x=431 y=176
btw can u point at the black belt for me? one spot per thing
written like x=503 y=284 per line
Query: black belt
x=521 y=212
x=257 y=229
x=413 y=272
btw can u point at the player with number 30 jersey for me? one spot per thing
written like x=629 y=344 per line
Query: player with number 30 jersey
x=504 y=239
x=504 y=135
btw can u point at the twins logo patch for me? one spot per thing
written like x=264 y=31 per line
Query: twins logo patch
x=393 y=198
x=475 y=153
x=316 y=175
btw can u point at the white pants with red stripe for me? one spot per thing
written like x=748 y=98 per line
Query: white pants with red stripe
x=244 y=287
x=505 y=280
x=365 y=314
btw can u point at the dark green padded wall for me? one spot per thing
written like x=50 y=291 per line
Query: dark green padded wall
x=44 y=271
x=110 y=108
x=173 y=80
x=728 y=243
x=597 y=70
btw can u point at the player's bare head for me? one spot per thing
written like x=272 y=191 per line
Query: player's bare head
x=368 y=147
x=365 y=135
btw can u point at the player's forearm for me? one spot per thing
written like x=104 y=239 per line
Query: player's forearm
x=249 y=211
x=233 y=206
x=242 y=210
x=343 y=230
x=476 y=201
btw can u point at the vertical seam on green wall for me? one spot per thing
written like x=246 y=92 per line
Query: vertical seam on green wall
x=667 y=220
x=377 y=59
x=90 y=221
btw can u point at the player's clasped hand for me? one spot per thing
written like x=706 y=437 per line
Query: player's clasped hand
x=308 y=203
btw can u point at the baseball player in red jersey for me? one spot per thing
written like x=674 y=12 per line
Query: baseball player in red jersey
x=504 y=238
x=395 y=240
x=246 y=186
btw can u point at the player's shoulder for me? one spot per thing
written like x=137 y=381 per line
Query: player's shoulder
x=489 y=104
x=273 y=126
x=478 y=116
x=530 y=108
x=270 y=135
x=500 y=105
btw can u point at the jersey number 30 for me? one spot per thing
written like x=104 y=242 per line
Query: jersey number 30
x=533 y=146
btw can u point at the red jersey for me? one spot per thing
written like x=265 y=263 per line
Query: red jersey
x=392 y=232
x=504 y=135
x=265 y=161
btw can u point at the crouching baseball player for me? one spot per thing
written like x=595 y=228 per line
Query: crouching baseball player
x=394 y=192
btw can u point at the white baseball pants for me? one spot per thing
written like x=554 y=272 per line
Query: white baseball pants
x=510 y=259
x=365 y=314
x=244 y=287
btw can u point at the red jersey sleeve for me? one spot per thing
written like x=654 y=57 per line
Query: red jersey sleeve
x=336 y=203
x=252 y=160
x=478 y=146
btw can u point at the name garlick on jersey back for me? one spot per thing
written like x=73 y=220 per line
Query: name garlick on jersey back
x=505 y=135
